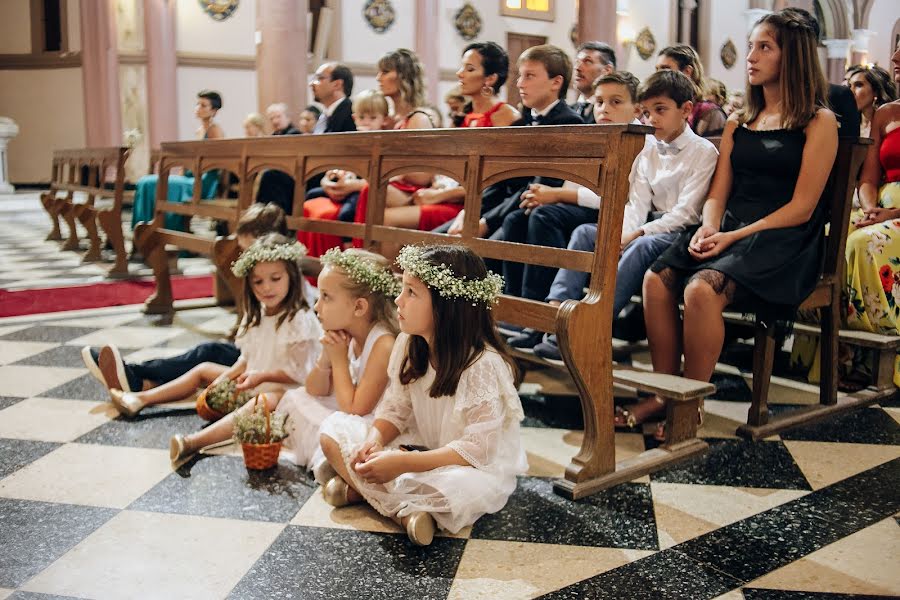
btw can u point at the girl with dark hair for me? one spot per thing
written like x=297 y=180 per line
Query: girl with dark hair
x=872 y=86
x=759 y=245
x=485 y=66
x=707 y=119
x=278 y=336
x=181 y=187
x=452 y=396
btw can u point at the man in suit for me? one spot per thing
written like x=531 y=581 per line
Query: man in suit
x=332 y=85
x=593 y=60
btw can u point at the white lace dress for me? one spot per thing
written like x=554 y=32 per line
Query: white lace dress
x=480 y=422
x=293 y=347
x=307 y=412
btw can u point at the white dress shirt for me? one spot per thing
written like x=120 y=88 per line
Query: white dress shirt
x=671 y=178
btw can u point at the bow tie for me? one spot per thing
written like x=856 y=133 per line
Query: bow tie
x=537 y=119
x=667 y=149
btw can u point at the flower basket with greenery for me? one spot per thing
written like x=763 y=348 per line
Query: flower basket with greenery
x=219 y=399
x=260 y=433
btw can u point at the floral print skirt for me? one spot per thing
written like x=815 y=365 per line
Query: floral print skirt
x=873 y=286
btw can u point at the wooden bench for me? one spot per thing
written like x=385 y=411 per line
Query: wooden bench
x=598 y=157
x=102 y=166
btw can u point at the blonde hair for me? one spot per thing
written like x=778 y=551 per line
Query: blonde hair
x=383 y=309
x=410 y=74
x=371 y=102
x=256 y=120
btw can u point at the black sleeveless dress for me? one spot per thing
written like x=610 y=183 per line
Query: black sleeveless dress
x=777 y=268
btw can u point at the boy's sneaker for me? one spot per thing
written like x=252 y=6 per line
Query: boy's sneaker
x=548 y=349
x=91 y=358
x=528 y=339
x=508 y=329
x=113 y=369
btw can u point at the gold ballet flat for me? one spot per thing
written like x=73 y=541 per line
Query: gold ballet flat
x=127 y=404
x=335 y=492
x=179 y=453
x=420 y=528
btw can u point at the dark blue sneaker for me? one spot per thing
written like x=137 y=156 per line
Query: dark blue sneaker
x=526 y=340
x=548 y=349
x=509 y=329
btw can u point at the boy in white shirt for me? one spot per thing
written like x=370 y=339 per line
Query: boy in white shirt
x=669 y=179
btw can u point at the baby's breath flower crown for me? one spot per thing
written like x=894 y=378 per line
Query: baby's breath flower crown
x=257 y=253
x=447 y=284
x=363 y=271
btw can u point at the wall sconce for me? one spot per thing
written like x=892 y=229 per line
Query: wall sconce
x=624 y=31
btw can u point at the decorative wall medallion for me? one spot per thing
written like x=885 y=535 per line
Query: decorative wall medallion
x=728 y=54
x=645 y=43
x=219 y=10
x=468 y=22
x=379 y=14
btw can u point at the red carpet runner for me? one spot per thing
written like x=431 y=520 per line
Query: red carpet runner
x=98 y=295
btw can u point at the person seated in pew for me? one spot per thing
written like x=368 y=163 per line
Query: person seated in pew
x=254 y=125
x=544 y=75
x=280 y=120
x=759 y=245
x=274 y=185
x=708 y=118
x=107 y=365
x=181 y=187
x=309 y=116
x=668 y=184
x=593 y=60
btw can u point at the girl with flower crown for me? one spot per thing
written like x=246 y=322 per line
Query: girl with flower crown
x=356 y=309
x=278 y=337
x=452 y=397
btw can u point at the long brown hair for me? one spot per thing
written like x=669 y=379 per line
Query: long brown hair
x=463 y=330
x=410 y=75
x=804 y=89
x=293 y=303
x=685 y=56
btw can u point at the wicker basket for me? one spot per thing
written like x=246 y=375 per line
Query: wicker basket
x=204 y=410
x=260 y=457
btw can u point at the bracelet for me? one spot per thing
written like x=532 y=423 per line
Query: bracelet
x=321 y=368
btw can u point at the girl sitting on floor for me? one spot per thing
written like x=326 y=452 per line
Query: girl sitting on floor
x=356 y=309
x=278 y=337
x=453 y=397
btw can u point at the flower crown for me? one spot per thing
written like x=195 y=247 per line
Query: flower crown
x=363 y=271
x=447 y=284
x=258 y=253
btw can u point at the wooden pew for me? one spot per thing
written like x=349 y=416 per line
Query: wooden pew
x=101 y=165
x=826 y=297
x=597 y=157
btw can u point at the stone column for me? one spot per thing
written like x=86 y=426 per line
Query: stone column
x=427 y=46
x=687 y=8
x=281 y=54
x=100 y=74
x=162 y=98
x=837 y=59
x=8 y=130
x=597 y=22
x=860 y=54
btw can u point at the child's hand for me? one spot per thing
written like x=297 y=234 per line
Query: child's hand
x=249 y=380
x=366 y=450
x=336 y=344
x=382 y=466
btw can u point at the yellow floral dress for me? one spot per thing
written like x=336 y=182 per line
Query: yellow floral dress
x=873 y=273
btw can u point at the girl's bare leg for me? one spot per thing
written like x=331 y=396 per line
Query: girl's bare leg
x=223 y=429
x=335 y=458
x=182 y=387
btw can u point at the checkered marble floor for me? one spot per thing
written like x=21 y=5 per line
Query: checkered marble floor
x=90 y=507
x=27 y=261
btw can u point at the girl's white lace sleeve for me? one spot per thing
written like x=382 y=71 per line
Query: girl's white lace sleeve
x=482 y=435
x=396 y=404
x=301 y=337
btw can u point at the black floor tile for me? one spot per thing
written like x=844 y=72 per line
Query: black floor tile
x=658 y=577
x=7 y=401
x=762 y=594
x=739 y=463
x=21 y=595
x=152 y=428
x=621 y=517
x=866 y=426
x=48 y=333
x=61 y=356
x=15 y=454
x=34 y=534
x=221 y=486
x=85 y=387
x=561 y=412
x=314 y=562
x=732 y=388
